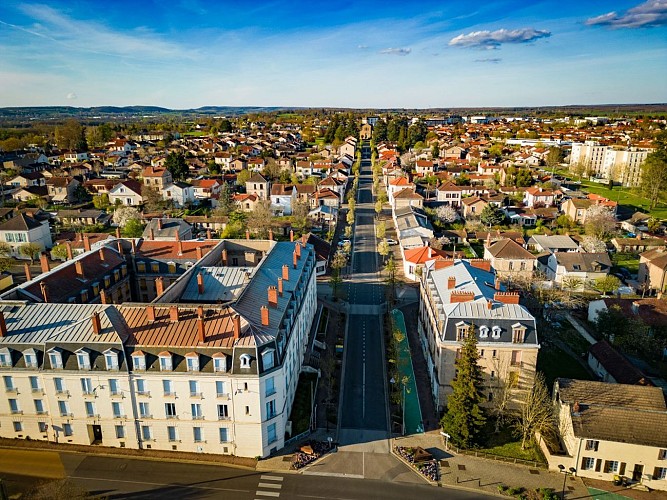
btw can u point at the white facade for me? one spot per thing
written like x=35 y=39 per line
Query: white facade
x=607 y=162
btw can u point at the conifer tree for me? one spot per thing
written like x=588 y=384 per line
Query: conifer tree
x=465 y=418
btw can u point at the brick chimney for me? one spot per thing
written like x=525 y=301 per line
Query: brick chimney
x=97 y=326
x=485 y=265
x=265 y=315
x=150 y=313
x=70 y=254
x=159 y=224
x=497 y=284
x=173 y=314
x=44 y=261
x=451 y=283
x=78 y=265
x=200 y=311
x=3 y=325
x=118 y=232
x=280 y=287
x=247 y=234
x=119 y=245
x=237 y=326
x=291 y=234
x=294 y=259
x=199 y=253
x=177 y=236
x=45 y=291
x=304 y=238
x=28 y=274
x=201 y=330
x=159 y=285
x=101 y=252
x=208 y=234
x=103 y=296
x=489 y=304
x=506 y=297
x=200 y=283
x=273 y=296
x=297 y=249
x=271 y=234
x=180 y=247
x=460 y=296
x=151 y=234
x=285 y=272
x=86 y=243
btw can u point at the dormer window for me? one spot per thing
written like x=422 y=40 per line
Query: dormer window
x=219 y=362
x=245 y=360
x=155 y=267
x=141 y=267
x=518 y=333
x=166 y=364
x=495 y=332
x=139 y=361
x=84 y=296
x=268 y=358
x=107 y=281
x=461 y=330
x=30 y=358
x=96 y=289
x=56 y=359
x=483 y=332
x=111 y=359
x=192 y=360
x=172 y=267
x=83 y=359
x=5 y=357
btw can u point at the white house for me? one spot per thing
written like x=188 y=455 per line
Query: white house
x=180 y=193
x=127 y=192
x=23 y=229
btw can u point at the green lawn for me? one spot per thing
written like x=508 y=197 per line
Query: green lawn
x=628 y=260
x=302 y=406
x=554 y=363
x=506 y=444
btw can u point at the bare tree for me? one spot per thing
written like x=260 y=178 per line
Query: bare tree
x=501 y=390
x=536 y=412
x=259 y=220
x=600 y=222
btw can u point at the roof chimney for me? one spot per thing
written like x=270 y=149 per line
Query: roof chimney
x=200 y=283
x=45 y=291
x=97 y=326
x=44 y=261
x=247 y=234
x=159 y=285
x=294 y=259
x=237 y=326
x=159 y=224
x=134 y=246
x=28 y=274
x=68 y=245
x=297 y=249
x=103 y=296
x=177 y=236
x=291 y=234
x=119 y=244
x=79 y=268
x=497 y=283
x=150 y=313
x=201 y=330
x=208 y=234
x=180 y=247
x=265 y=315
x=3 y=325
x=173 y=314
x=271 y=234
x=86 y=243
x=118 y=232
x=489 y=304
x=101 y=252
x=199 y=253
x=451 y=282
x=285 y=272
x=506 y=297
x=200 y=311
x=224 y=256
x=304 y=238
x=273 y=296
x=151 y=234
x=280 y=287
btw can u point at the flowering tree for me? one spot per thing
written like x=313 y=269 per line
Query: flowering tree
x=600 y=222
x=592 y=244
x=447 y=214
x=123 y=214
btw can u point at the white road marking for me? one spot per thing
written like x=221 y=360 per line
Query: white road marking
x=271 y=478
x=267 y=493
x=270 y=485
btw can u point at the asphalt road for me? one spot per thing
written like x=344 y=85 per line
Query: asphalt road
x=364 y=402
x=120 y=478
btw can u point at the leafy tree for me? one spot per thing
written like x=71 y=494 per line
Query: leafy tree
x=6 y=264
x=152 y=199
x=592 y=244
x=380 y=131
x=383 y=249
x=462 y=180
x=524 y=178
x=653 y=225
x=380 y=229
x=5 y=249
x=30 y=250
x=496 y=150
x=654 y=173
x=435 y=151
x=225 y=202
x=350 y=216
x=101 y=201
x=600 y=222
x=378 y=208
x=300 y=219
x=607 y=284
x=176 y=164
x=71 y=136
x=565 y=221
x=536 y=412
x=243 y=176
x=225 y=126
x=59 y=252
x=492 y=216
x=554 y=157
x=464 y=418
x=133 y=228
x=571 y=284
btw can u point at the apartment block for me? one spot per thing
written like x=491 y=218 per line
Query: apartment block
x=610 y=162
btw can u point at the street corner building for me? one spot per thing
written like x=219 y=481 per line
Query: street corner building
x=465 y=297
x=192 y=346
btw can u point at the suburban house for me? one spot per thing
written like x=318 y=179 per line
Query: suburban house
x=584 y=266
x=205 y=189
x=449 y=193
x=473 y=206
x=611 y=366
x=610 y=429
x=82 y=217
x=165 y=229
x=28 y=179
x=246 y=202
x=258 y=186
x=180 y=193
x=156 y=177
x=463 y=297
x=62 y=189
x=551 y=244
x=407 y=198
x=509 y=259
x=414 y=260
x=127 y=193
x=653 y=270
x=396 y=185
x=283 y=198
x=326 y=197
x=23 y=229
x=412 y=227
x=322 y=250
x=638 y=244
x=537 y=196
x=576 y=208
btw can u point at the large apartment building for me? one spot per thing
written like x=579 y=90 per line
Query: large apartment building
x=210 y=365
x=610 y=162
x=463 y=297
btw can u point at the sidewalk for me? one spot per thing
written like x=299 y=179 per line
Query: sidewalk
x=486 y=475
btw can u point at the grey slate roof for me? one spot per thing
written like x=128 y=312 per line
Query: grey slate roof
x=220 y=284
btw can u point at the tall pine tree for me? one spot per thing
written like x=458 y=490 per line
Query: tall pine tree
x=465 y=418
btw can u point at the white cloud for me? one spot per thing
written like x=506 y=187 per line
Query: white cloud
x=648 y=14
x=71 y=96
x=494 y=39
x=396 y=51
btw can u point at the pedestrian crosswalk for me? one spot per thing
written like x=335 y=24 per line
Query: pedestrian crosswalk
x=269 y=487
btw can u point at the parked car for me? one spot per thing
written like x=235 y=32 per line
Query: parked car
x=342 y=243
x=391 y=242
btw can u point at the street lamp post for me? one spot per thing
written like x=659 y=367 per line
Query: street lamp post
x=403 y=412
x=566 y=472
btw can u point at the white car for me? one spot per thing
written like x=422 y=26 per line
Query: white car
x=391 y=242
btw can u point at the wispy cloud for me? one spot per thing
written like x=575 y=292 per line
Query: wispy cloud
x=494 y=39
x=396 y=51
x=362 y=47
x=91 y=36
x=71 y=96
x=648 y=14
x=490 y=60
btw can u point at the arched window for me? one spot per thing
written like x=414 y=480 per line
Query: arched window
x=483 y=331
x=495 y=332
x=245 y=360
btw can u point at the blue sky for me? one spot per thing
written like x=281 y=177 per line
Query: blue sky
x=191 y=53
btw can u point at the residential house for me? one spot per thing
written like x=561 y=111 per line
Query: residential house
x=23 y=229
x=82 y=217
x=407 y=198
x=258 y=186
x=586 y=267
x=327 y=197
x=653 y=270
x=30 y=193
x=206 y=189
x=166 y=229
x=283 y=198
x=637 y=244
x=473 y=206
x=424 y=168
x=463 y=297
x=246 y=202
x=449 y=193
x=609 y=430
x=127 y=193
x=414 y=260
x=156 y=177
x=322 y=250
x=396 y=185
x=62 y=189
x=334 y=184
x=180 y=193
x=611 y=366
x=551 y=244
x=510 y=260
x=28 y=179
x=537 y=196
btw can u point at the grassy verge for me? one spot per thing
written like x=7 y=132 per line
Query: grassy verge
x=630 y=261
x=505 y=444
x=301 y=409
